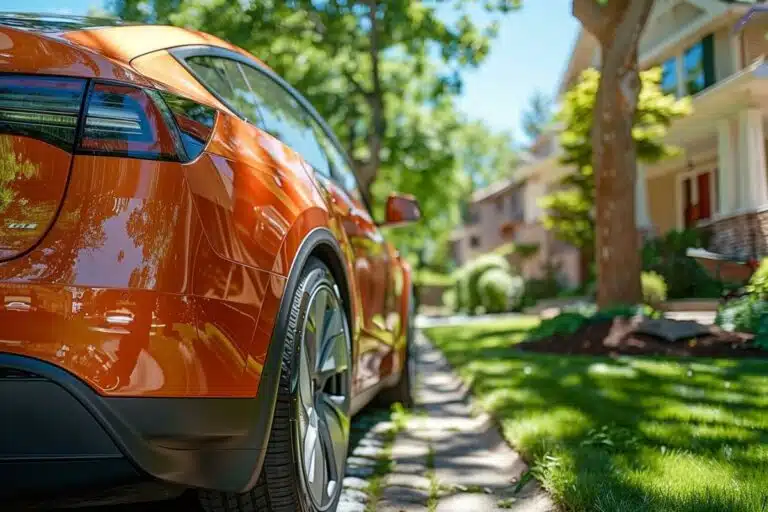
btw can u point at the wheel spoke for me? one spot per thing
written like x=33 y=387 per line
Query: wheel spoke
x=319 y=315
x=305 y=379
x=334 y=356
x=334 y=425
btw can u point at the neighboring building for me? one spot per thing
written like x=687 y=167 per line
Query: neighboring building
x=720 y=181
x=508 y=212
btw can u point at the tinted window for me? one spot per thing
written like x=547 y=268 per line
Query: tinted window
x=195 y=122
x=226 y=78
x=340 y=169
x=284 y=118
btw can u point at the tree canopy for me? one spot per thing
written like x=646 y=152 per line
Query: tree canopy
x=384 y=74
x=352 y=60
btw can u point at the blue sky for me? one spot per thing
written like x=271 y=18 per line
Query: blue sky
x=530 y=53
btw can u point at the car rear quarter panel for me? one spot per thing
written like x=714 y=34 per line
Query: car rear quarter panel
x=161 y=278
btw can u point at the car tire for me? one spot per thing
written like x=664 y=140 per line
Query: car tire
x=306 y=455
x=403 y=391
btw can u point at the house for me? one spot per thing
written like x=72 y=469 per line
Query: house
x=718 y=183
x=508 y=212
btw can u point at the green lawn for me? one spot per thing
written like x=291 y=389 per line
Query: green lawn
x=624 y=434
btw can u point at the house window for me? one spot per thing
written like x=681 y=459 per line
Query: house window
x=698 y=193
x=500 y=204
x=690 y=72
x=474 y=242
x=669 y=76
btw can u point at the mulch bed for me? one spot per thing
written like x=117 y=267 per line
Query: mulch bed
x=617 y=337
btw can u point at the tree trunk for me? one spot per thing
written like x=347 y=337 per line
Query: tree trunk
x=617 y=26
x=368 y=171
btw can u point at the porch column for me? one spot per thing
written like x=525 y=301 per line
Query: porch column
x=727 y=167
x=752 y=170
x=642 y=218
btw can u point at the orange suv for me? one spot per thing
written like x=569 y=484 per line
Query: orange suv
x=194 y=292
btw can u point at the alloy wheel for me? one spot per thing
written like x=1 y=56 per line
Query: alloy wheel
x=322 y=390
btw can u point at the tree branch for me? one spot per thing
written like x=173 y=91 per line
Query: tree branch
x=628 y=33
x=590 y=14
x=357 y=86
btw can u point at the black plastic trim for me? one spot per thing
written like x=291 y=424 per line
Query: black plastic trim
x=215 y=443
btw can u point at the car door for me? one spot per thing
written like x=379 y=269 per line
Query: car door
x=285 y=116
x=372 y=264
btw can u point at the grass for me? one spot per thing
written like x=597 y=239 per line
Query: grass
x=625 y=434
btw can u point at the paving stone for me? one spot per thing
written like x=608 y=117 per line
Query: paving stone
x=360 y=461
x=397 y=498
x=372 y=442
x=360 y=471
x=354 y=495
x=414 y=481
x=371 y=452
x=352 y=482
x=382 y=427
x=350 y=506
x=468 y=501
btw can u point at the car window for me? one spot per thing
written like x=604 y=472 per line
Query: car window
x=226 y=78
x=284 y=118
x=340 y=169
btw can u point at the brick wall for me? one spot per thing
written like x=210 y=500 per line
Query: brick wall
x=742 y=236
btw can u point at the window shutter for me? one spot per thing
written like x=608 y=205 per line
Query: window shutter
x=708 y=44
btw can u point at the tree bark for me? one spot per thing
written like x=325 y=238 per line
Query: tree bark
x=367 y=171
x=617 y=26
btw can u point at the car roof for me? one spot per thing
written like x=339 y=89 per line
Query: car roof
x=114 y=38
x=54 y=23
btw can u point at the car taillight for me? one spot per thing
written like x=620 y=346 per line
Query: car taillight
x=119 y=119
x=43 y=108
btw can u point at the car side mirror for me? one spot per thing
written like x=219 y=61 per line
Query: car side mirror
x=401 y=209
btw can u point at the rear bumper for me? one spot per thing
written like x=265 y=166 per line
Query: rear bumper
x=58 y=434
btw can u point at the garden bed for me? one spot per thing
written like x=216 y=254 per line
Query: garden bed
x=619 y=336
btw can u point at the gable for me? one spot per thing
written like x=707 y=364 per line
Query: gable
x=668 y=18
x=670 y=22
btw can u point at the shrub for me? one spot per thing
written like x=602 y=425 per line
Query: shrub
x=469 y=276
x=758 y=283
x=499 y=291
x=654 y=289
x=449 y=299
x=743 y=314
x=683 y=275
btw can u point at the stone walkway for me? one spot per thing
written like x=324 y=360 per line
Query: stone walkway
x=440 y=458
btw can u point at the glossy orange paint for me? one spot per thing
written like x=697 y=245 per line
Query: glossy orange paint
x=402 y=209
x=165 y=279
x=25 y=52
x=39 y=176
x=124 y=43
